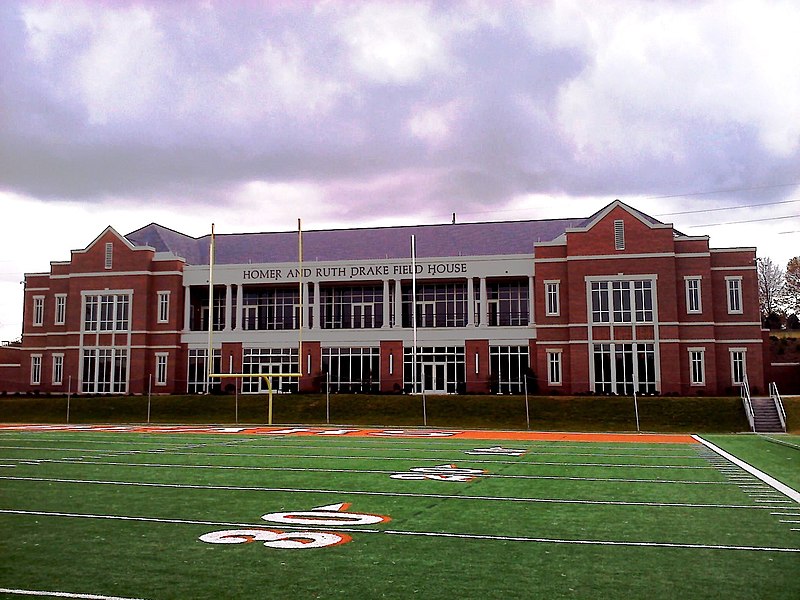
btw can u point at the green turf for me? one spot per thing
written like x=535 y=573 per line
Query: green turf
x=563 y=521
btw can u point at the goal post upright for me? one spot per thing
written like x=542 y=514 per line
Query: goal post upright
x=267 y=377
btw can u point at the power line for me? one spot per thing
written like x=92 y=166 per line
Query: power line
x=691 y=212
x=728 y=191
x=743 y=222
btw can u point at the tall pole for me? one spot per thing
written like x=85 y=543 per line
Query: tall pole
x=414 y=314
x=210 y=355
x=302 y=307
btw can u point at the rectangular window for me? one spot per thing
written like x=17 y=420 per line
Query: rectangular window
x=507 y=303
x=552 y=305
x=36 y=369
x=61 y=309
x=619 y=235
x=621 y=295
x=109 y=255
x=440 y=369
x=163 y=307
x=693 y=301
x=352 y=369
x=161 y=368
x=197 y=378
x=437 y=305
x=620 y=301
x=734 y=285
x=38 y=311
x=643 y=300
x=274 y=361
x=600 y=311
x=107 y=312
x=697 y=366
x=105 y=371
x=554 y=367
x=58 y=369
x=738 y=366
x=508 y=368
x=265 y=309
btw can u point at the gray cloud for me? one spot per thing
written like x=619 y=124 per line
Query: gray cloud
x=428 y=105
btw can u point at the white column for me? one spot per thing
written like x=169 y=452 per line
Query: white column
x=239 y=305
x=228 y=307
x=385 y=304
x=484 y=305
x=531 y=303
x=317 y=305
x=304 y=301
x=470 y=302
x=187 y=307
x=398 y=303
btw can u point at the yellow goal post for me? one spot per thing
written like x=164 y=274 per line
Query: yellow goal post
x=265 y=376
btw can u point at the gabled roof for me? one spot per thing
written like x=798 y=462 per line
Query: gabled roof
x=507 y=238
x=590 y=222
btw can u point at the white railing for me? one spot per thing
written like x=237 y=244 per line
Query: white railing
x=744 y=394
x=776 y=398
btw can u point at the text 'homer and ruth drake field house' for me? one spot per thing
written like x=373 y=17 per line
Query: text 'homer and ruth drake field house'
x=608 y=304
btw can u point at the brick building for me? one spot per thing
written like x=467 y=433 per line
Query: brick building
x=607 y=304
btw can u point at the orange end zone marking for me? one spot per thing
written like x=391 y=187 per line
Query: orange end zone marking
x=386 y=433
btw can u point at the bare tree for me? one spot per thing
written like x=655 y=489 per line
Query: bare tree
x=792 y=287
x=771 y=288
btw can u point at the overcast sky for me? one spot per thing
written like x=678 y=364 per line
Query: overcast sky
x=252 y=114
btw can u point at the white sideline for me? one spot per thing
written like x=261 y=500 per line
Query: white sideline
x=770 y=481
x=62 y=594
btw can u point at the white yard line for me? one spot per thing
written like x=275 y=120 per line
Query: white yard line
x=389 y=494
x=96 y=461
x=437 y=534
x=51 y=594
x=770 y=481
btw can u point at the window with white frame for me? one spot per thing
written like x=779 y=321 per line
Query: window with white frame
x=734 y=287
x=38 y=311
x=105 y=370
x=58 y=369
x=694 y=302
x=36 y=369
x=161 y=368
x=738 y=365
x=697 y=366
x=352 y=369
x=621 y=301
x=106 y=312
x=61 y=309
x=163 y=307
x=508 y=368
x=109 y=255
x=554 y=375
x=551 y=295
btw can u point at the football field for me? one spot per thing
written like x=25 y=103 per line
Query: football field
x=180 y=513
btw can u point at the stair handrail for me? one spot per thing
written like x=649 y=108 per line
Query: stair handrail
x=744 y=394
x=776 y=398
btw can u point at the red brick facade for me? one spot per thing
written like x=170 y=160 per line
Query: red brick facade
x=646 y=334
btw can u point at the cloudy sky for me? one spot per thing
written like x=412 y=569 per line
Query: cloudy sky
x=252 y=114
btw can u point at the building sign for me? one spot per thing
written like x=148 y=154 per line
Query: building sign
x=354 y=271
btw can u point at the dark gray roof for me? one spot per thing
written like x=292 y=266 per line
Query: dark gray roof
x=373 y=243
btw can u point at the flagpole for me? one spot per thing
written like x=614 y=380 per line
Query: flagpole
x=210 y=355
x=414 y=314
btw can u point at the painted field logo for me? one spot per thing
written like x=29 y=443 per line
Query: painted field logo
x=440 y=473
x=323 y=516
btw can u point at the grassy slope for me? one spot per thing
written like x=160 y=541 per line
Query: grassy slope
x=718 y=415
